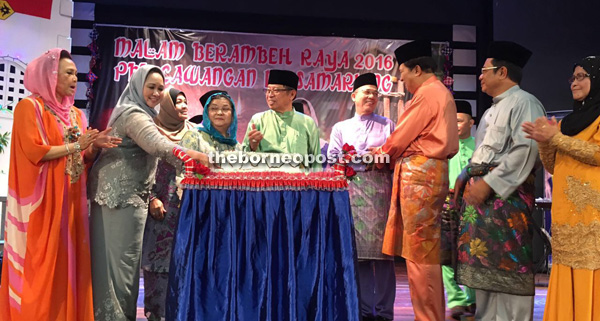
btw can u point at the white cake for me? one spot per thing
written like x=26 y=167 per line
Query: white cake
x=238 y=161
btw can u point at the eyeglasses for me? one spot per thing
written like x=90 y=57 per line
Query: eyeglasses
x=579 y=77
x=484 y=69
x=214 y=110
x=276 y=91
x=374 y=93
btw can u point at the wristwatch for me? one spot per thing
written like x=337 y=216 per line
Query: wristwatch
x=77 y=147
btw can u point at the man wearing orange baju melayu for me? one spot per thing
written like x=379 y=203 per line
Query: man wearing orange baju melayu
x=425 y=138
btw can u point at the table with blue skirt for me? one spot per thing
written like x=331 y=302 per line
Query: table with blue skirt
x=268 y=246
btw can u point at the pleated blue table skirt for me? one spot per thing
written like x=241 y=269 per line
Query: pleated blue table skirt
x=274 y=256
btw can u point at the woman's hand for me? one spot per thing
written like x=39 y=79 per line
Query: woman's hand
x=157 y=210
x=201 y=157
x=542 y=130
x=103 y=140
x=87 y=139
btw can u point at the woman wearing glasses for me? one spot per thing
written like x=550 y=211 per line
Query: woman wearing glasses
x=217 y=134
x=571 y=151
x=219 y=125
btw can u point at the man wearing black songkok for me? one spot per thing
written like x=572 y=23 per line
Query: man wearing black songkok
x=281 y=129
x=495 y=235
x=370 y=196
x=460 y=300
x=425 y=137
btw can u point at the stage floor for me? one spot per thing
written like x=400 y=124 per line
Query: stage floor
x=402 y=307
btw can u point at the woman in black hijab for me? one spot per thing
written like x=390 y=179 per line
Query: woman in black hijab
x=571 y=151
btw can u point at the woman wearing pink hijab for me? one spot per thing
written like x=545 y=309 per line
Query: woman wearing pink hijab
x=46 y=272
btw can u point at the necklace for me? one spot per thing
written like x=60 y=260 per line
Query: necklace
x=74 y=162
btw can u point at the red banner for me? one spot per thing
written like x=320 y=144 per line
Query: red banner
x=199 y=61
x=38 y=8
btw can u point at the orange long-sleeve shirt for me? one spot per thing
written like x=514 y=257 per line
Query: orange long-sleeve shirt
x=427 y=126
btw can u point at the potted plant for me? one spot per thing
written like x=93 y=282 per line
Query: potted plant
x=4 y=141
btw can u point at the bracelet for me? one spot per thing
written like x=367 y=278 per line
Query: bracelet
x=67 y=147
x=77 y=147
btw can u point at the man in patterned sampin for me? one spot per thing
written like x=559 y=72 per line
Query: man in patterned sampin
x=495 y=235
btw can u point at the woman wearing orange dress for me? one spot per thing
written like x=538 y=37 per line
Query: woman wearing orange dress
x=46 y=273
x=571 y=151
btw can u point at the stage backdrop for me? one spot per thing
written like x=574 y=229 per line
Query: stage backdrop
x=199 y=61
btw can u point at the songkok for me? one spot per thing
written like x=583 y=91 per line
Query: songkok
x=509 y=51
x=283 y=77
x=364 y=79
x=464 y=107
x=411 y=50
x=196 y=119
x=205 y=97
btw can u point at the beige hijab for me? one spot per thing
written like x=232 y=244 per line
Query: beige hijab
x=168 y=122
